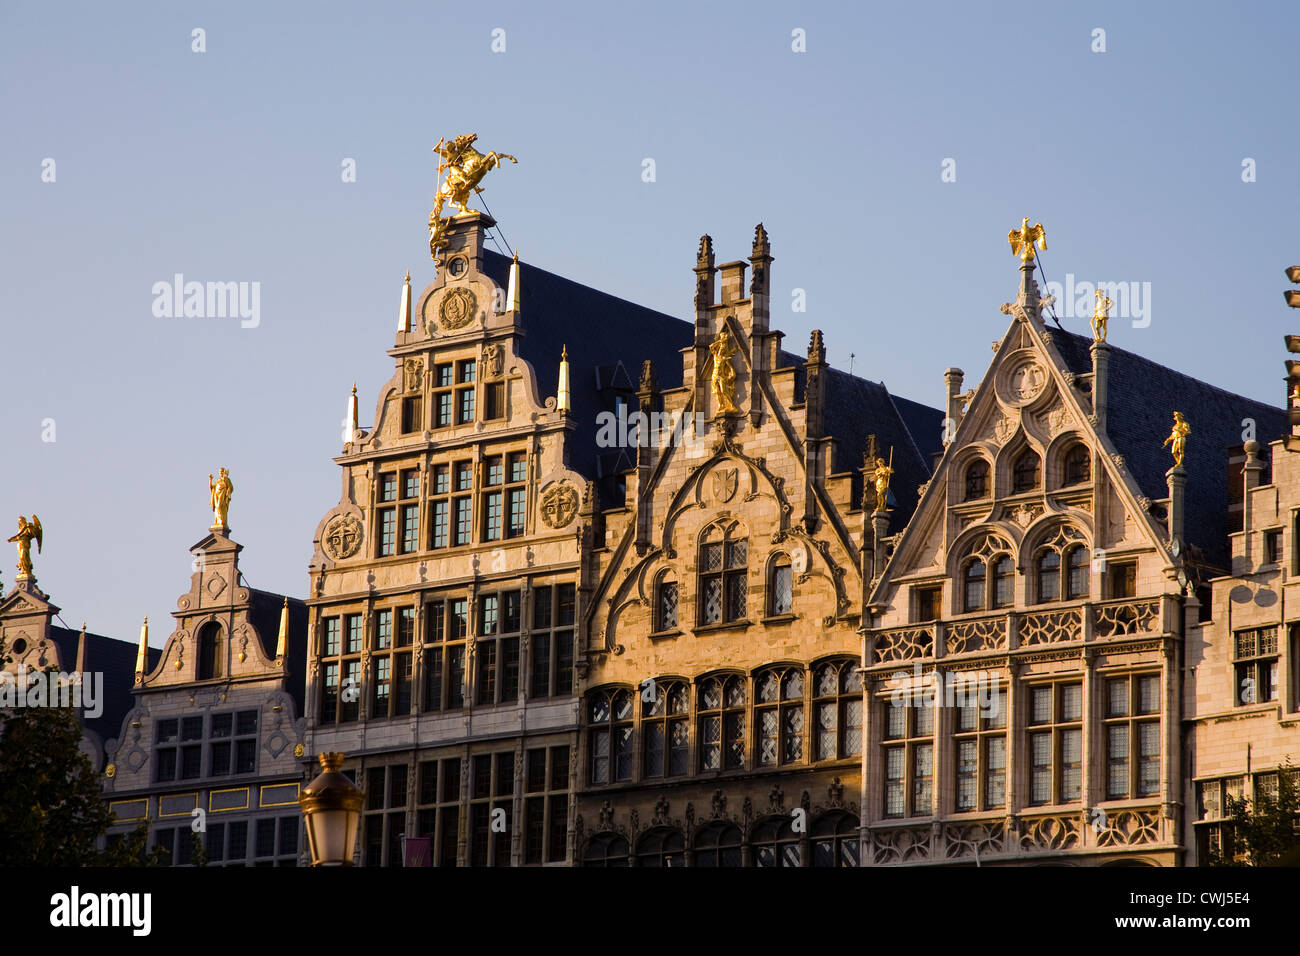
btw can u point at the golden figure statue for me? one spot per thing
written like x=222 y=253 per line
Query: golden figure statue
x=465 y=167
x=1022 y=240
x=723 y=378
x=27 y=530
x=880 y=476
x=1100 y=316
x=219 y=493
x=1178 y=439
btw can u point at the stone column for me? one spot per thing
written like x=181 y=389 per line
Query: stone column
x=1100 y=382
x=1177 y=478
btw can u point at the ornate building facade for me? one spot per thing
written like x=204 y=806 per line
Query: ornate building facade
x=721 y=709
x=603 y=587
x=450 y=581
x=1024 y=652
x=215 y=742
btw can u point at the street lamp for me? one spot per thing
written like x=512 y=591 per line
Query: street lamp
x=331 y=808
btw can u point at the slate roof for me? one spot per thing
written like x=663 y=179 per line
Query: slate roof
x=1142 y=396
x=115 y=660
x=856 y=408
x=265 y=616
x=600 y=331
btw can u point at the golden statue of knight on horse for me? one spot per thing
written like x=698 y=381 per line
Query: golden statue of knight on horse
x=465 y=167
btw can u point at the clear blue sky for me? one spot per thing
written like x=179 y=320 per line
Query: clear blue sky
x=225 y=166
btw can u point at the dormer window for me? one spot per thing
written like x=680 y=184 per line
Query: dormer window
x=977 y=480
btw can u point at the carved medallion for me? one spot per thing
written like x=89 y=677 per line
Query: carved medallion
x=216 y=584
x=457 y=309
x=725 y=481
x=343 y=537
x=1027 y=381
x=559 y=505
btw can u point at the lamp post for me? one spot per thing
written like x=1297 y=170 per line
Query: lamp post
x=331 y=809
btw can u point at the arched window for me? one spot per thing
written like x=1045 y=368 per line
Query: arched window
x=666 y=603
x=1025 y=472
x=780 y=586
x=778 y=712
x=973 y=580
x=1077 y=465
x=722 y=723
x=609 y=715
x=210 y=656
x=606 y=850
x=835 y=840
x=724 y=568
x=661 y=846
x=665 y=731
x=774 y=843
x=1004 y=581
x=837 y=710
x=977 y=480
x=1076 y=579
x=718 y=844
x=1049 y=576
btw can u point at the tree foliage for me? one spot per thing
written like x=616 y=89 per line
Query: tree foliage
x=1263 y=831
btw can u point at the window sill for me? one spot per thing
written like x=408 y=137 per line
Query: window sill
x=741 y=625
x=665 y=635
x=778 y=619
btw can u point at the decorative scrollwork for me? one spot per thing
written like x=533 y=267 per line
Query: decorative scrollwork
x=904 y=643
x=976 y=839
x=982 y=634
x=1132 y=617
x=1131 y=828
x=1051 y=627
x=1049 y=833
x=900 y=846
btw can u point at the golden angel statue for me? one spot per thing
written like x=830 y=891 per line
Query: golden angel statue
x=465 y=167
x=723 y=378
x=27 y=530
x=1100 y=316
x=1022 y=240
x=880 y=476
x=1177 y=439
x=219 y=493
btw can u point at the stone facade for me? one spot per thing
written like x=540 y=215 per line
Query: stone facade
x=1241 y=678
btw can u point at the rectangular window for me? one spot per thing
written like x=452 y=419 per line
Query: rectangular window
x=494 y=401
x=412 y=419
x=928 y=601
x=908 y=759
x=491 y=806
x=1255 y=661
x=444 y=654
x=465 y=371
x=1132 y=732
x=442 y=395
x=497 y=650
x=341 y=665
x=1123 y=579
x=1055 y=743
x=981 y=754
x=1273 y=546
x=387 y=532
x=551 y=641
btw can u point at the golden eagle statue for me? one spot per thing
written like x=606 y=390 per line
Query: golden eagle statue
x=1022 y=240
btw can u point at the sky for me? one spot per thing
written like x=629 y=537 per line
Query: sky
x=887 y=149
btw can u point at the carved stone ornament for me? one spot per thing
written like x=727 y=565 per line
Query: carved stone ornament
x=414 y=370
x=725 y=482
x=458 y=308
x=343 y=537
x=493 y=359
x=1003 y=429
x=559 y=505
x=1027 y=381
